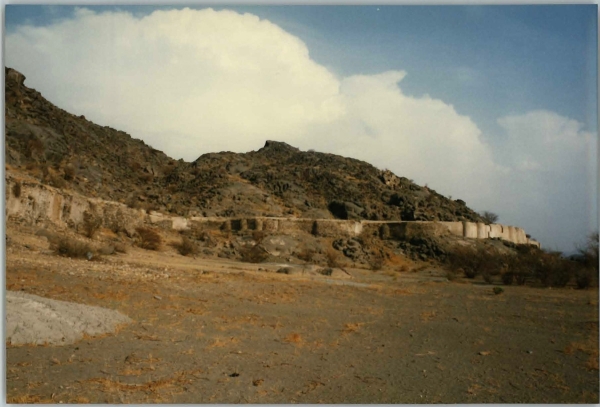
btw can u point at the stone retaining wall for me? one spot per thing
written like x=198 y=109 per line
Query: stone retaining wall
x=38 y=203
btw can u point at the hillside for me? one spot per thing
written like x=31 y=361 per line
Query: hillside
x=68 y=151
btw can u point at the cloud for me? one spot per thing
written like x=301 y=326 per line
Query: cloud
x=195 y=81
x=552 y=182
x=187 y=81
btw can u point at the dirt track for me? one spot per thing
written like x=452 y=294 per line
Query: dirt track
x=209 y=331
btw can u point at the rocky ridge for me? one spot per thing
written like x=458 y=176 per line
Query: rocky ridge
x=68 y=151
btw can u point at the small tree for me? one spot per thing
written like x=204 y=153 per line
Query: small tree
x=489 y=217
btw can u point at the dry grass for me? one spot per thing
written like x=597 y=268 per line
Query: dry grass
x=427 y=316
x=222 y=342
x=352 y=327
x=294 y=338
x=109 y=385
x=28 y=399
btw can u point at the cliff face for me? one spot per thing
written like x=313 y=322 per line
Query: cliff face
x=70 y=152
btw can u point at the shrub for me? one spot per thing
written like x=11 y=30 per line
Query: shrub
x=498 y=290
x=376 y=263
x=474 y=261
x=107 y=250
x=508 y=278
x=584 y=278
x=307 y=255
x=69 y=172
x=120 y=248
x=451 y=275
x=325 y=271
x=73 y=248
x=254 y=254
x=149 y=238
x=589 y=252
x=16 y=189
x=35 y=147
x=258 y=236
x=332 y=258
x=186 y=247
x=489 y=217
x=488 y=277
x=91 y=222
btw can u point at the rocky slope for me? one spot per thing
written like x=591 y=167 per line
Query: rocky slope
x=71 y=152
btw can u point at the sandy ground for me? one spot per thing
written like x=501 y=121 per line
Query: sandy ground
x=216 y=331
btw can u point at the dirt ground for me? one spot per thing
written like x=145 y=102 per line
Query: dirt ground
x=217 y=331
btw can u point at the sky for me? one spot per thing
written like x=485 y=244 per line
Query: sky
x=495 y=105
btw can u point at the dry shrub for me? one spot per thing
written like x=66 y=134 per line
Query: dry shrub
x=332 y=258
x=254 y=254
x=68 y=247
x=120 y=247
x=474 y=261
x=35 y=147
x=547 y=268
x=16 y=189
x=69 y=172
x=149 y=238
x=91 y=222
x=147 y=178
x=107 y=250
x=507 y=278
x=376 y=263
x=584 y=277
x=307 y=255
x=325 y=271
x=258 y=236
x=186 y=247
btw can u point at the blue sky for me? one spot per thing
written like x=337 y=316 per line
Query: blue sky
x=515 y=86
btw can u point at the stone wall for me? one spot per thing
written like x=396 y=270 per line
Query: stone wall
x=39 y=204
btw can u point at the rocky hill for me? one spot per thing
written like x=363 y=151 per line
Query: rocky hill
x=70 y=152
